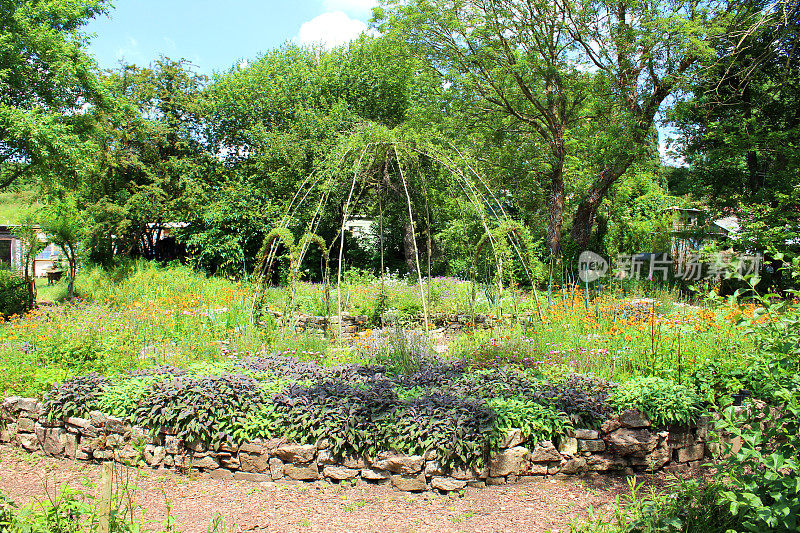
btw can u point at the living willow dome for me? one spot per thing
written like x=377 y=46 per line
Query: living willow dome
x=373 y=166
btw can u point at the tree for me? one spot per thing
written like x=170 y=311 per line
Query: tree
x=45 y=79
x=150 y=161
x=64 y=225
x=516 y=59
x=571 y=71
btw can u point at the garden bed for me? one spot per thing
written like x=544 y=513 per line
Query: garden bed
x=441 y=425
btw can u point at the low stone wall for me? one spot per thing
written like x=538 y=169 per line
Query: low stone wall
x=625 y=444
x=447 y=323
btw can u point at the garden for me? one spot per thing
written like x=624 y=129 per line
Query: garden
x=508 y=253
x=179 y=356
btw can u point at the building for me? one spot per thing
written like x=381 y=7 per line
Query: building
x=11 y=250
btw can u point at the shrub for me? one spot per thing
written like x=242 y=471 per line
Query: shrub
x=535 y=421
x=204 y=409
x=458 y=429
x=14 y=294
x=584 y=399
x=75 y=397
x=662 y=401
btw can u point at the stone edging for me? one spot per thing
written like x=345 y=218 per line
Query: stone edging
x=625 y=444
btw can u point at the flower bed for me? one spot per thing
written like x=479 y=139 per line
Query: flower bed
x=437 y=424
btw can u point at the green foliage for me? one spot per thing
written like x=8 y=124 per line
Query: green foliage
x=13 y=294
x=122 y=396
x=204 y=409
x=662 y=401
x=75 y=397
x=46 y=76
x=536 y=422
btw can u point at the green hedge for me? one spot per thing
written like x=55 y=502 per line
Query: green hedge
x=13 y=294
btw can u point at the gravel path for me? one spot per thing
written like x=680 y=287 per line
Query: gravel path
x=540 y=506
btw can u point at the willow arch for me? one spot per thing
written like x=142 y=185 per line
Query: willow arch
x=497 y=237
x=302 y=247
x=266 y=254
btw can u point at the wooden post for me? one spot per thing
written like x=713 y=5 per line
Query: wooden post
x=104 y=499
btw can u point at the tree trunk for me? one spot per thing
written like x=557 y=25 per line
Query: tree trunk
x=555 y=219
x=583 y=220
x=408 y=246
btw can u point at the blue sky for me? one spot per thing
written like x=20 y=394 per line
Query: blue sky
x=216 y=35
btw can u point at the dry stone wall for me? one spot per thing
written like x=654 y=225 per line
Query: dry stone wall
x=625 y=444
x=354 y=324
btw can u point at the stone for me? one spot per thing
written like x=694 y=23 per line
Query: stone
x=633 y=418
x=476 y=484
x=115 y=424
x=29 y=405
x=70 y=445
x=103 y=455
x=81 y=455
x=400 y=464
x=339 y=473
x=79 y=423
x=568 y=446
x=254 y=462
x=231 y=462
x=308 y=472
x=275 y=468
x=324 y=457
x=28 y=441
x=154 y=455
x=513 y=437
x=604 y=463
x=373 y=474
x=10 y=404
x=495 y=481
x=409 y=483
x=431 y=455
x=611 y=424
x=544 y=451
x=169 y=461
x=591 y=445
x=586 y=434
x=171 y=444
x=433 y=468
x=51 y=439
x=691 y=453
x=447 y=484
x=680 y=438
x=352 y=461
x=554 y=468
x=250 y=476
x=573 y=466
x=296 y=453
x=513 y=460
x=654 y=460
x=196 y=446
x=704 y=425
x=126 y=454
x=538 y=469
x=206 y=462
x=323 y=444
x=97 y=418
x=626 y=441
x=221 y=474
x=25 y=424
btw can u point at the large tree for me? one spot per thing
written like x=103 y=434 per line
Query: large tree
x=45 y=79
x=571 y=72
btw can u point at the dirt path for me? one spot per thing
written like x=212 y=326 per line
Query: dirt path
x=546 y=505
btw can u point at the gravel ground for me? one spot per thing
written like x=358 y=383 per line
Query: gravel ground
x=540 y=506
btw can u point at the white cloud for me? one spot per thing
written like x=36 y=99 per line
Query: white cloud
x=360 y=8
x=331 y=29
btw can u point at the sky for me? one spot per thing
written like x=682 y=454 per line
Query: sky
x=216 y=35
